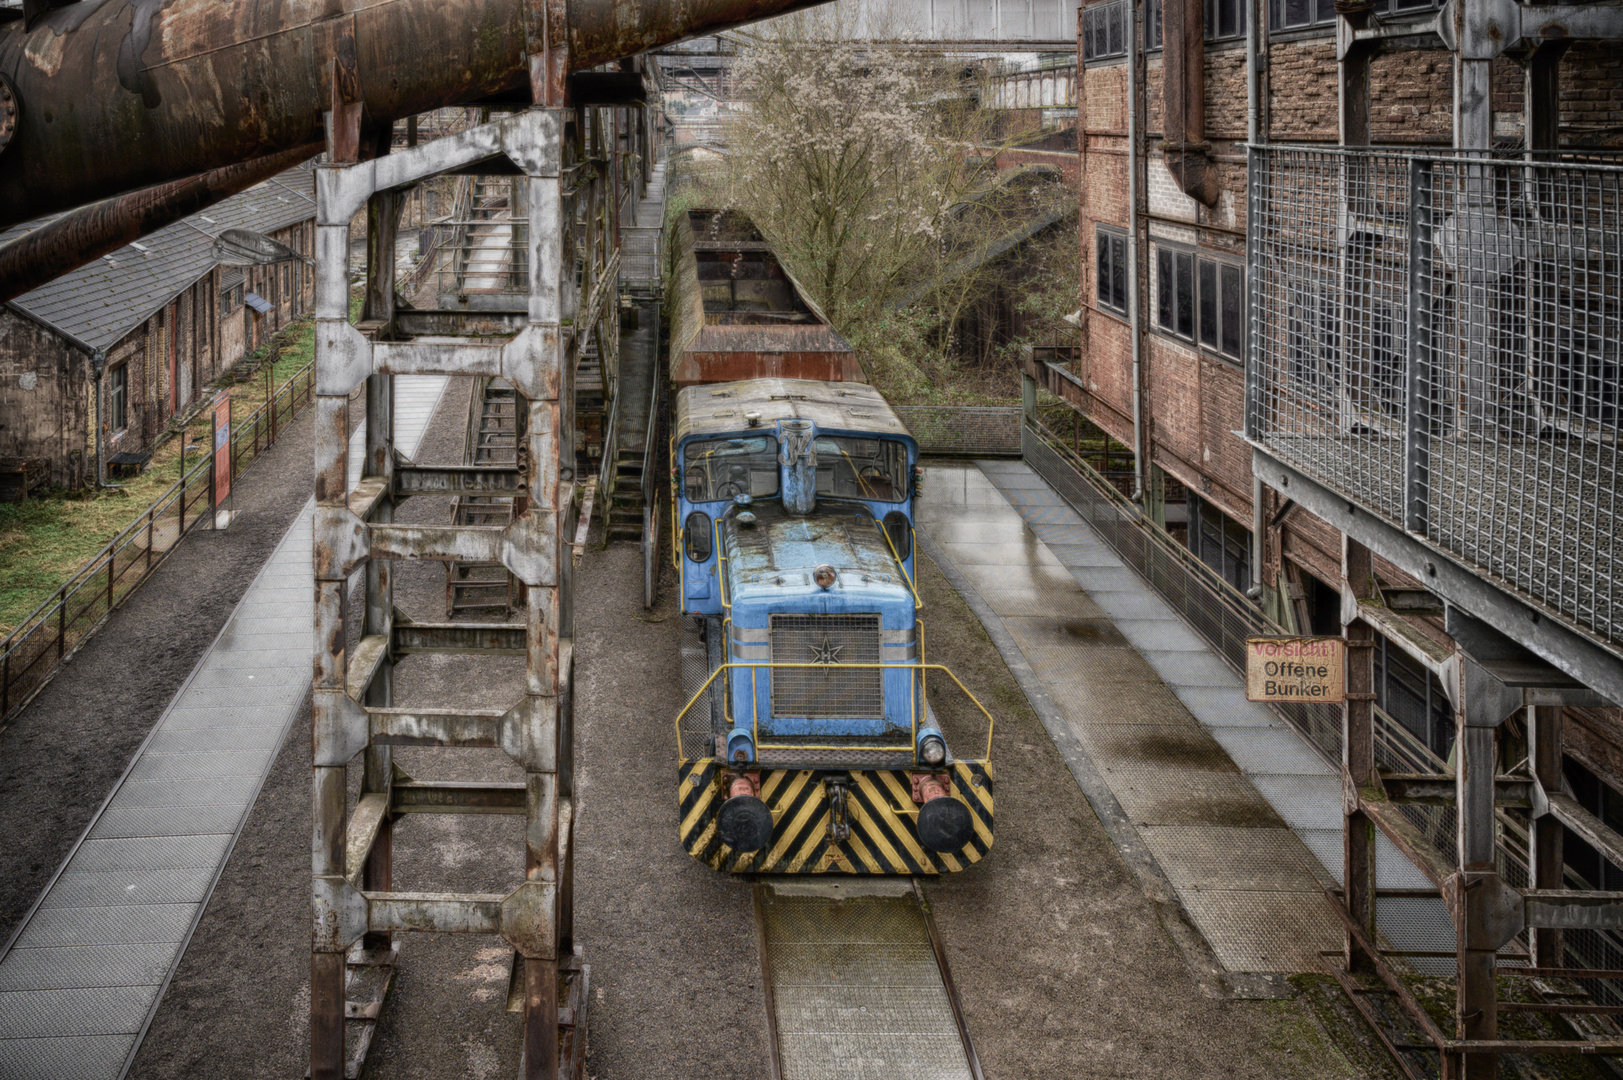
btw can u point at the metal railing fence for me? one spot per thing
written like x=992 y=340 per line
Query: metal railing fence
x=31 y=653
x=963 y=430
x=1440 y=340
x=1225 y=618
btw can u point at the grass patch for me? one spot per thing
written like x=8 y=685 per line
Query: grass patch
x=45 y=540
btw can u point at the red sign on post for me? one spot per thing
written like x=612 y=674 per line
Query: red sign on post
x=222 y=447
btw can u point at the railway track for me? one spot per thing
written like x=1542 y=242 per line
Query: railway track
x=857 y=983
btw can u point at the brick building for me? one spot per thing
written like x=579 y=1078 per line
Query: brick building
x=1363 y=436
x=162 y=317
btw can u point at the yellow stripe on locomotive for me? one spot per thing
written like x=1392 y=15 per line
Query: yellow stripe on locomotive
x=851 y=821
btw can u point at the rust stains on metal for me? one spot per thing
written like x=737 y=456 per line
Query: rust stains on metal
x=1183 y=75
x=89 y=233
x=8 y=113
x=126 y=94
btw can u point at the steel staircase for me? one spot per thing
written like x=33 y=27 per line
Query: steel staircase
x=492 y=440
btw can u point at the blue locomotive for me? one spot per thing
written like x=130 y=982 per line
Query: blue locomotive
x=808 y=744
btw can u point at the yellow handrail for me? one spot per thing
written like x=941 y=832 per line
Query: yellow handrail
x=918 y=605
x=755 y=707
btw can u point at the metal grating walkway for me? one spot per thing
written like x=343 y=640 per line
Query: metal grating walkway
x=84 y=972
x=856 y=984
x=1241 y=815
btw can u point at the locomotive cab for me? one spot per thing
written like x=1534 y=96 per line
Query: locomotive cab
x=812 y=745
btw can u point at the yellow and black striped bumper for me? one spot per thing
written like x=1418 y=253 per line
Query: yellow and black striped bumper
x=880 y=813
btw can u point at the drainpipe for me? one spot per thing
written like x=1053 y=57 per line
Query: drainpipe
x=1253 y=136
x=1183 y=100
x=1134 y=318
x=98 y=364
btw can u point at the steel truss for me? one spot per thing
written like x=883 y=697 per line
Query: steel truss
x=357 y=908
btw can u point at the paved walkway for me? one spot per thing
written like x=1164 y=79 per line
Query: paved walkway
x=1231 y=807
x=82 y=976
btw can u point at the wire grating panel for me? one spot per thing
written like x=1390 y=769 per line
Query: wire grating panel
x=1440 y=339
x=832 y=690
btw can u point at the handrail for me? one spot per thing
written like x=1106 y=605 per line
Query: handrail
x=921 y=669
x=251 y=436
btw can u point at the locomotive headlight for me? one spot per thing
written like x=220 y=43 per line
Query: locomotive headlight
x=932 y=750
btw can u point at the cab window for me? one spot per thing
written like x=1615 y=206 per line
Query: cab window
x=850 y=468
x=724 y=468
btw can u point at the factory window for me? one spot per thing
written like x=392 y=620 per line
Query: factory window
x=118 y=398
x=1220 y=542
x=1301 y=14
x=1606 y=803
x=1175 y=291
x=1201 y=300
x=1112 y=270
x=1225 y=19
x=1414 y=697
x=230 y=300
x=1152 y=25
x=1312 y=333
x=1104 y=31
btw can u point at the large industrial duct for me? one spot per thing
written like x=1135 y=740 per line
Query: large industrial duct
x=1183 y=100
x=115 y=95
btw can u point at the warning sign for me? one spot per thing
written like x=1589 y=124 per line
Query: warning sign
x=1310 y=669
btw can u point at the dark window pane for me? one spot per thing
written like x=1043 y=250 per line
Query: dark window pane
x=1208 y=303
x=1152 y=24
x=1228 y=17
x=1327 y=10
x=1118 y=247
x=1116 y=45
x=1233 y=302
x=1211 y=18
x=1298 y=12
x=1104 y=276
x=1186 y=297
x=1163 y=288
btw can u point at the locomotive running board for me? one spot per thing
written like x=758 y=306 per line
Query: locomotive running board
x=857 y=982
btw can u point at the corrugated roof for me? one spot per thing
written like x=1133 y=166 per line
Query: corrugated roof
x=98 y=304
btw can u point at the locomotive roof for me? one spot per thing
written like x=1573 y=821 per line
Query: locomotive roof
x=720 y=408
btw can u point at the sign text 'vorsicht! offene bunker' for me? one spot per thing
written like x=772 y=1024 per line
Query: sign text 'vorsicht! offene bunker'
x=1296 y=669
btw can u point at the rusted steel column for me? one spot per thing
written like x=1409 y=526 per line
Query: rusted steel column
x=1477 y=896
x=1183 y=86
x=549 y=448
x=1358 y=751
x=1548 y=834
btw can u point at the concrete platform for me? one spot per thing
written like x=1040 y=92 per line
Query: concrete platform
x=86 y=968
x=1206 y=793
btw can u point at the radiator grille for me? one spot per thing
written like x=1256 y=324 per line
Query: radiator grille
x=835 y=692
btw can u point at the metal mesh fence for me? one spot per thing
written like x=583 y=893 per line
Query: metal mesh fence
x=1438 y=338
x=963 y=430
x=30 y=655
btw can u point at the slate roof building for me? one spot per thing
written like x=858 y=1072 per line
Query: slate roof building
x=161 y=316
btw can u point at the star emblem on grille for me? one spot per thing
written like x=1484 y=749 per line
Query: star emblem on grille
x=826 y=652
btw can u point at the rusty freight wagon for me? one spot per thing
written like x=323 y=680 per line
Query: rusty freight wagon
x=736 y=313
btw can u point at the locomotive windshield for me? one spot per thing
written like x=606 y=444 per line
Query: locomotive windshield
x=723 y=468
x=870 y=469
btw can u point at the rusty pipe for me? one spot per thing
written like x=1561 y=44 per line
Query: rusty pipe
x=116 y=95
x=1183 y=100
x=102 y=228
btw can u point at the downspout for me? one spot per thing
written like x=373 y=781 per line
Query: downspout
x=1134 y=159
x=1253 y=136
x=1183 y=84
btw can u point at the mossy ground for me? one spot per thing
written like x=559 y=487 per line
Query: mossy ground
x=46 y=539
